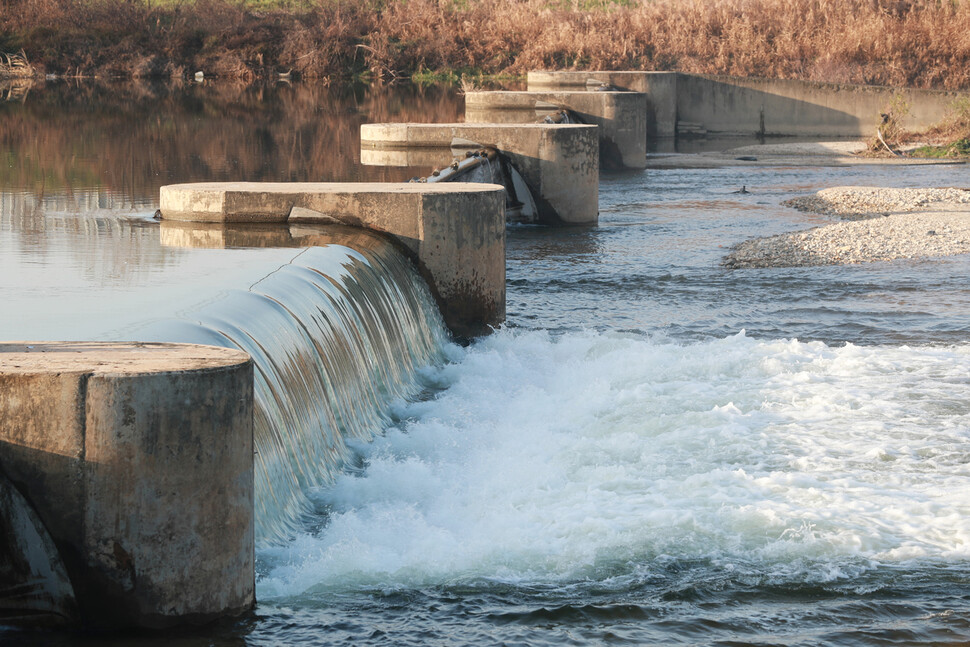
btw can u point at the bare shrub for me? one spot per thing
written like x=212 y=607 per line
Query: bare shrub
x=889 y=131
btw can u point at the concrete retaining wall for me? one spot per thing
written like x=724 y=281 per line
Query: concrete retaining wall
x=735 y=106
x=620 y=116
x=138 y=459
x=767 y=107
x=560 y=163
x=454 y=231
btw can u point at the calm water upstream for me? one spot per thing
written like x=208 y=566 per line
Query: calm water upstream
x=653 y=449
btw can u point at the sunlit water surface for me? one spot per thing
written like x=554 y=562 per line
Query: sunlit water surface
x=653 y=450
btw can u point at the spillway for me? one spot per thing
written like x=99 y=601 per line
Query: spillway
x=338 y=330
x=336 y=335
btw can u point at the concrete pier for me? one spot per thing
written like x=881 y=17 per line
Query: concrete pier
x=455 y=232
x=620 y=116
x=560 y=163
x=697 y=104
x=138 y=460
x=660 y=88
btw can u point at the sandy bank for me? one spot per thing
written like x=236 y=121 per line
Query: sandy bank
x=846 y=152
x=875 y=224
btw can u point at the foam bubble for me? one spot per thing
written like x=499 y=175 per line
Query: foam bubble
x=558 y=459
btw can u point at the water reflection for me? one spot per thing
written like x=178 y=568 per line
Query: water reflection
x=70 y=231
x=129 y=138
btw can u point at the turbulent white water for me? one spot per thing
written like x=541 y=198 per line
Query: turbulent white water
x=597 y=456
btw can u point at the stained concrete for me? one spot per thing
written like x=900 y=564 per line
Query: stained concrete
x=560 y=163
x=138 y=459
x=768 y=107
x=455 y=232
x=620 y=116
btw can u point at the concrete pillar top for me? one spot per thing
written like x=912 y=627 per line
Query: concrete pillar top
x=542 y=75
x=115 y=358
x=371 y=204
x=475 y=95
x=462 y=124
x=333 y=188
x=424 y=134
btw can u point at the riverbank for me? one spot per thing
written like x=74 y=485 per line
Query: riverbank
x=845 y=152
x=876 y=224
x=902 y=44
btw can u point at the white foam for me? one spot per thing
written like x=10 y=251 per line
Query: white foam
x=558 y=459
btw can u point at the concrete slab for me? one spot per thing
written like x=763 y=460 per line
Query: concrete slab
x=560 y=163
x=419 y=158
x=455 y=232
x=620 y=116
x=138 y=458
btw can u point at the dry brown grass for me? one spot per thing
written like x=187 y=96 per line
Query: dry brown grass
x=915 y=43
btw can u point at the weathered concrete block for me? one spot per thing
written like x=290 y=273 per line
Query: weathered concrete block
x=620 y=116
x=660 y=88
x=138 y=458
x=454 y=231
x=559 y=162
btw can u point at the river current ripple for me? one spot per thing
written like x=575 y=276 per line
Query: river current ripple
x=653 y=449
x=657 y=450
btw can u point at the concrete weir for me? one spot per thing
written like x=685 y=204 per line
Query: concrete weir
x=454 y=231
x=137 y=459
x=660 y=89
x=697 y=104
x=620 y=117
x=560 y=163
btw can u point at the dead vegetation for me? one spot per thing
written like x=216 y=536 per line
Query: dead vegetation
x=950 y=138
x=15 y=66
x=914 y=43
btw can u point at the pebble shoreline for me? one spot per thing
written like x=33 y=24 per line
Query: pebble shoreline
x=876 y=224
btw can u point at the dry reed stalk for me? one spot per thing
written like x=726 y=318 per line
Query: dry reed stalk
x=15 y=66
x=917 y=43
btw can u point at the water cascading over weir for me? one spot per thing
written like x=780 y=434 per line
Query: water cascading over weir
x=187 y=455
x=336 y=335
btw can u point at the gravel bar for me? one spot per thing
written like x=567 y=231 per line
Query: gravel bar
x=875 y=224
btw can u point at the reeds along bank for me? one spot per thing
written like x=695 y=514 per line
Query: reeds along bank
x=917 y=43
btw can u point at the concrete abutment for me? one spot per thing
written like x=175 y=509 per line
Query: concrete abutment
x=621 y=118
x=687 y=104
x=138 y=460
x=560 y=163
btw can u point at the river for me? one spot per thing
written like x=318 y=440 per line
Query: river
x=652 y=450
